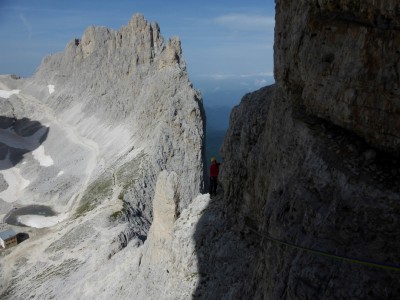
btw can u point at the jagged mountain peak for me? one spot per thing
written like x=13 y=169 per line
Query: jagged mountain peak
x=134 y=49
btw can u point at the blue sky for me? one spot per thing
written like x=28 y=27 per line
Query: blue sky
x=227 y=44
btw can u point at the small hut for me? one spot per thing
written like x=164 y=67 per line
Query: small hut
x=8 y=238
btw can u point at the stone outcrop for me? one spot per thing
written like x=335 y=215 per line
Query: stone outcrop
x=192 y=256
x=167 y=268
x=165 y=212
x=312 y=162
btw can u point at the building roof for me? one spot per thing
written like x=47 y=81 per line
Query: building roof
x=6 y=234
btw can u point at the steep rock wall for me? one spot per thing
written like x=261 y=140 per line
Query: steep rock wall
x=320 y=170
x=343 y=59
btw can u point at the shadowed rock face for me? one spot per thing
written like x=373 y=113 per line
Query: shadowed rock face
x=342 y=62
x=309 y=183
x=313 y=162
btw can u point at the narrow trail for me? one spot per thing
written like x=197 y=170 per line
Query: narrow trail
x=49 y=118
x=74 y=137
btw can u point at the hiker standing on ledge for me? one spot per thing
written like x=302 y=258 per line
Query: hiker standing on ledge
x=214 y=170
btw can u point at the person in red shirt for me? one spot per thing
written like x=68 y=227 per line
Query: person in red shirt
x=214 y=171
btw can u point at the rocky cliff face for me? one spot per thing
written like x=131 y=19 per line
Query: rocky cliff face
x=313 y=161
x=343 y=58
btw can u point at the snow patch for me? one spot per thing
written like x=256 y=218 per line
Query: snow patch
x=43 y=159
x=40 y=221
x=7 y=94
x=60 y=173
x=16 y=183
x=51 y=88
